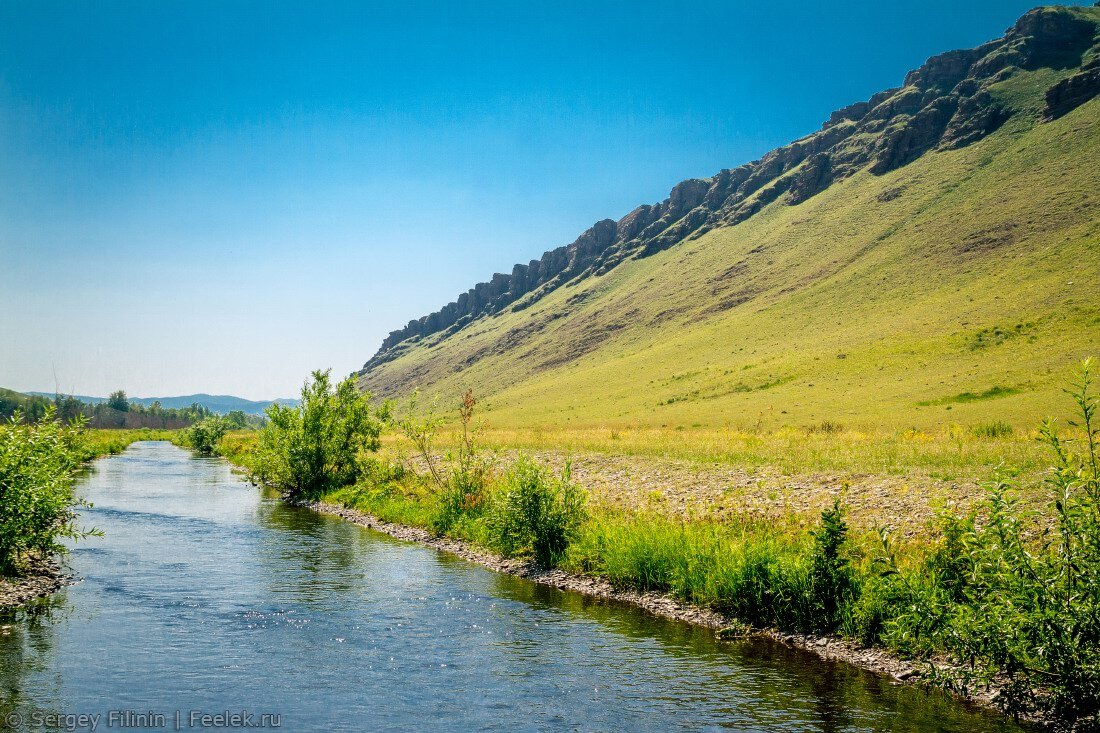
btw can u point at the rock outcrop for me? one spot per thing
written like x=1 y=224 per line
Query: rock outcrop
x=946 y=103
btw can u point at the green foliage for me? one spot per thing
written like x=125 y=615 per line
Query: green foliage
x=117 y=401
x=832 y=582
x=314 y=447
x=465 y=493
x=1015 y=596
x=30 y=407
x=420 y=426
x=38 y=464
x=239 y=420
x=204 y=435
x=536 y=512
x=114 y=413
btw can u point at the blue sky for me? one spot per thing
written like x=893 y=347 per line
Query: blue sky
x=221 y=196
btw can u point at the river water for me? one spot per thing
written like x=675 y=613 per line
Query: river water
x=204 y=596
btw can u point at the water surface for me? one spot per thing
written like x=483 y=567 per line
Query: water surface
x=205 y=595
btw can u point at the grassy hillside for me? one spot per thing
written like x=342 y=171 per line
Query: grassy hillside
x=956 y=289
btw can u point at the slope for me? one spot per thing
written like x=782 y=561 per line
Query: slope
x=914 y=271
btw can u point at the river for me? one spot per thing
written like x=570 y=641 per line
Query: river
x=205 y=597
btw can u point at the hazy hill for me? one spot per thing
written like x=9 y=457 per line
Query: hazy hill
x=221 y=404
x=930 y=255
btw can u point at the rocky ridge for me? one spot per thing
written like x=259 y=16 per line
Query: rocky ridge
x=946 y=103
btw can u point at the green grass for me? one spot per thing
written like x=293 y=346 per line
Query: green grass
x=963 y=397
x=102 y=442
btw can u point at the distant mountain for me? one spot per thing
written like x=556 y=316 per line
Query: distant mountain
x=220 y=404
x=932 y=248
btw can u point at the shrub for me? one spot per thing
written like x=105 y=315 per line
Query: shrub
x=825 y=427
x=1016 y=599
x=420 y=427
x=536 y=512
x=204 y=435
x=38 y=464
x=832 y=582
x=314 y=447
x=465 y=492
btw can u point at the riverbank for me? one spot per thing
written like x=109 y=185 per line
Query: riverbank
x=618 y=483
x=39 y=581
x=660 y=604
x=43 y=577
x=826 y=646
x=998 y=571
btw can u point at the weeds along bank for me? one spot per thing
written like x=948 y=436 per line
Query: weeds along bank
x=999 y=595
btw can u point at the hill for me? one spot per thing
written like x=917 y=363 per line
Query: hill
x=930 y=256
x=220 y=404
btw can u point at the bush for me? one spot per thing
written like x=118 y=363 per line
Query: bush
x=536 y=512
x=464 y=495
x=38 y=464
x=832 y=582
x=1016 y=598
x=307 y=450
x=204 y=435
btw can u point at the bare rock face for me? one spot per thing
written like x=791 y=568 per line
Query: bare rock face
x=1069 y=94
x=944 y=104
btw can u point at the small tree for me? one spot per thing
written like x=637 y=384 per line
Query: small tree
x=118 y=401
x=314 y=447
x=205 y=434
x=831 y=575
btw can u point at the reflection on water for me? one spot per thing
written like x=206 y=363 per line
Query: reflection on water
x=206 y=595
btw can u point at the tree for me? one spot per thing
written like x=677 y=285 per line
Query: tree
x=314 y=447
x=205 y=434
x=118 y=401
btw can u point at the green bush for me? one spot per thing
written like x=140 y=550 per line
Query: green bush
x=832 y=581
x=317 y=446
x=464 y=494
x=536 y=512
x=1013 y=595
x=204 y=435
x=38 y=464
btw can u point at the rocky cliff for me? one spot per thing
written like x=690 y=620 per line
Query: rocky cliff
x=946 y=103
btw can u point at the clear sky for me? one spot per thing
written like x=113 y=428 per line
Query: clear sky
x=221 y=196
